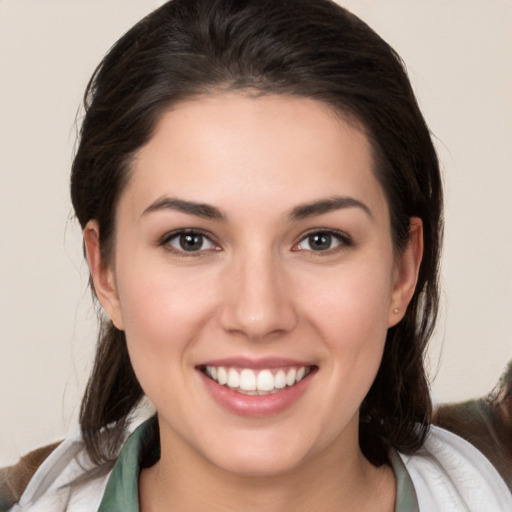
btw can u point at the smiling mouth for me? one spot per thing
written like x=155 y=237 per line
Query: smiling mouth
x=257 y=382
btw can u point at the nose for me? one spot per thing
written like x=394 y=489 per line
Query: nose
x=258 y=301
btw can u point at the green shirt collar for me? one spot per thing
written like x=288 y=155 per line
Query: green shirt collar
x=122 y=490
x=122 y=493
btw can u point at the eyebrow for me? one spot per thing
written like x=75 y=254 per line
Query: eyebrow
x=203 y=210
x=303 y=211
x=327 y=205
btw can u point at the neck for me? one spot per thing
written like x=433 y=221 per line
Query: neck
x=336 y=480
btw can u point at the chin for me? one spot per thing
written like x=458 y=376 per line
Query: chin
x=259 y=465
x=259 y=454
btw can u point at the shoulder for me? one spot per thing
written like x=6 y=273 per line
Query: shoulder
x=486 y=423
x=14 y=479
x=450 y=474
x=66 y=480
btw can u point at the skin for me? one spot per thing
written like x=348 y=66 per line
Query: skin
x=256 y=289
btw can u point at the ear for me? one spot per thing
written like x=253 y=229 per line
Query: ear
x=406 y=272
x=102 y=275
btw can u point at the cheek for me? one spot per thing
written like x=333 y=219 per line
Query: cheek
x=351 y=300
x=163 y=311
x=350 y=316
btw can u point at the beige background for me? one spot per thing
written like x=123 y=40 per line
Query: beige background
x=459 y=55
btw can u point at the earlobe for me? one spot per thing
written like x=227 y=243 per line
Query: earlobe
x=102 y=274
x=406 y=272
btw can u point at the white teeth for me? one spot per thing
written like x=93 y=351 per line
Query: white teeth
x=233 y=378
x=265 y=381
x=254 y=382
x=247 y=380
x=290 y=377
x=280 y=380
x=222 y=375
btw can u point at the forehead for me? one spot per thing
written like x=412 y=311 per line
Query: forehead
x=269 y=150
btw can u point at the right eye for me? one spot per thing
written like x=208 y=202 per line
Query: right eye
x=189 y=241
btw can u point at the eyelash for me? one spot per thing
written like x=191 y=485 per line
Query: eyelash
x=343 y=241
x=165 y=242
x=342 y=238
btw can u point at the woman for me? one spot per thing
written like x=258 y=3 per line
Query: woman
x=262 y=215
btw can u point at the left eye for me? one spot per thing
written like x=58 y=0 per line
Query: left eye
x=321 y=241
x=190 y=242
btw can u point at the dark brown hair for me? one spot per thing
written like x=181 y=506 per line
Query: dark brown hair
x=306 y=48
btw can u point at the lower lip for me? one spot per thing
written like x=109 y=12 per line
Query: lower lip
x=256 y=405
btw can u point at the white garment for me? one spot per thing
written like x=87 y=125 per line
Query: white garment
x=451 y=475
x=52 y=488
x=448 y=474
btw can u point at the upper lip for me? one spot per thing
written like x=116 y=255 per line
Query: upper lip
x=256 y=364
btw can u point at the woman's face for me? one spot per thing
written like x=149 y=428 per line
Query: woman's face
x=255 y=278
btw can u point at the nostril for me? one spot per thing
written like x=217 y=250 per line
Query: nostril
x=258 y=322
